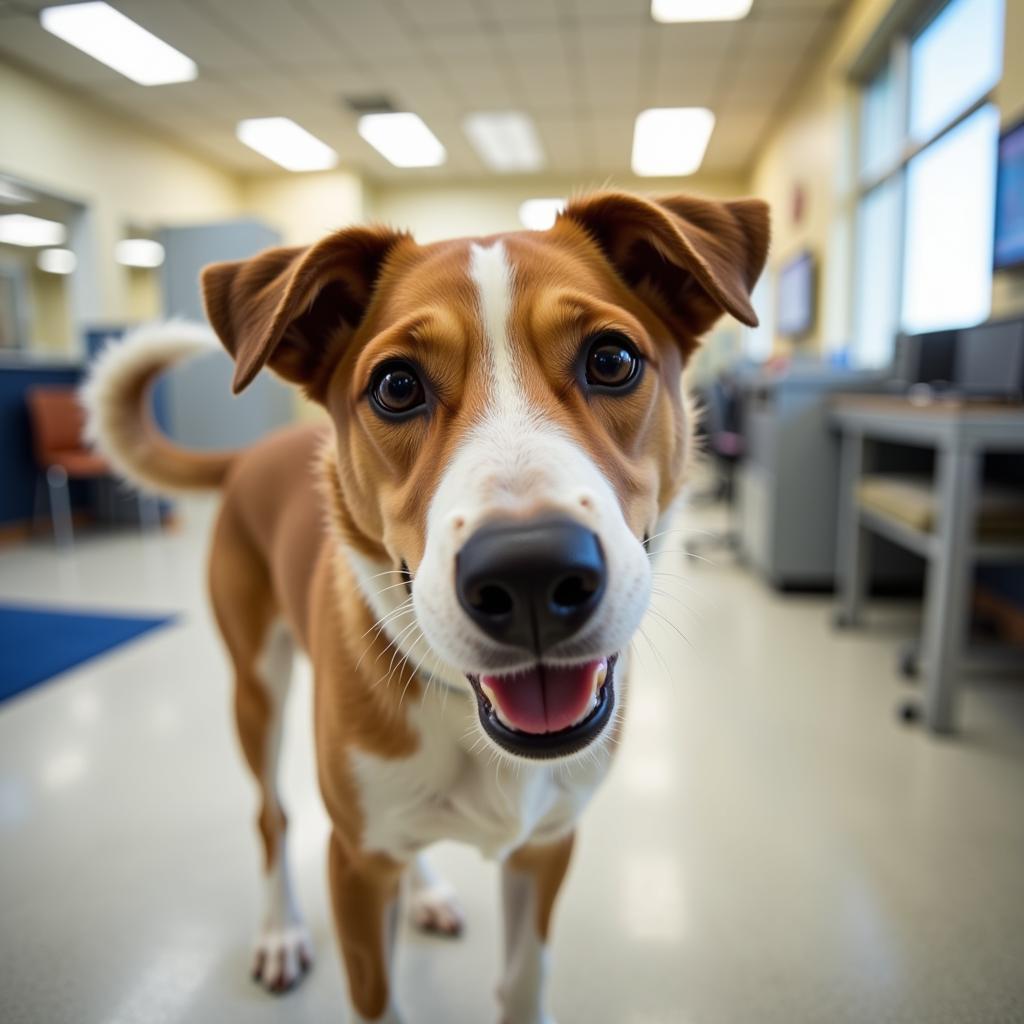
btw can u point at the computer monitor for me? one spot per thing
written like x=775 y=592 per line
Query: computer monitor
x=796 y=296
x=1009 y=228
x=990 y=359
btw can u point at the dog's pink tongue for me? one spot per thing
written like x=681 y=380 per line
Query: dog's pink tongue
x=544 y=699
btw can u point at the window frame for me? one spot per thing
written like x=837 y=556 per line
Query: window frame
x=896 y=59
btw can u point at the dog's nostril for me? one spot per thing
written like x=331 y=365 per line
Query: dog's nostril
x=493 y=601
x=571 y=592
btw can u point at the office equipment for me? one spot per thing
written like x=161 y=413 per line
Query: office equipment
x=948 y=537
x=788 y=480
x=796 y=296
x=1009 y=227
x=928 y=358
x=990 y=360
x=197 y=390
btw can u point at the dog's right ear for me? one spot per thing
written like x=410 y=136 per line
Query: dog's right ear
x=294 y=309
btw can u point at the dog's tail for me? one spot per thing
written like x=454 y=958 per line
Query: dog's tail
x=120 y=423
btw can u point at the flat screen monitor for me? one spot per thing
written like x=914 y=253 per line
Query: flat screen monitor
x=990 y=359
x=796 y=296
x=1009 y=232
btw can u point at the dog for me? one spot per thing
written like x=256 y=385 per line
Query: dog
x=464 y=552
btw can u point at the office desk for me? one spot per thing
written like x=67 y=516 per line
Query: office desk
x=960 y=432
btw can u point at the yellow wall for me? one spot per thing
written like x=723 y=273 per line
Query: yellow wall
x=305 y=207
x=122 y=173
x=813 y=148
x=433 y=212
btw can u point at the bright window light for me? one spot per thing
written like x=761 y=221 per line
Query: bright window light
x=23 y=229
x=540 y=214
x=402 y=139
x=947 y=262
x=57 y=261
x=699 y=10
x=286 y=143
x=117 y=41
x=139 y=252
x=670 y=141
x=507 y=141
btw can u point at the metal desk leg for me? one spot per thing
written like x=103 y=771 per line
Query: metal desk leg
x=949 y=581
x=852 y=540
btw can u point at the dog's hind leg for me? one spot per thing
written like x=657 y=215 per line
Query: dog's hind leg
x=262 y=650
x=432 y=901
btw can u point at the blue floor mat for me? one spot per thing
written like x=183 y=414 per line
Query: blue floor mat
x=37 y=644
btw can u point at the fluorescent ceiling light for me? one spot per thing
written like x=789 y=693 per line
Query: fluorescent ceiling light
x=540 y=214
x=117 y=41
x=57 y=261
x=506 y=141
x=22 y=229
x=670 y=141
x=699 y=10
x=402 y=139
x=139 y=252
x=286 y=143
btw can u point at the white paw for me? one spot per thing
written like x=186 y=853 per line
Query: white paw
x=282 y=957
x=436 y=910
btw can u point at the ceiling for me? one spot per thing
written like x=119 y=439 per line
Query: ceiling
x=582 y=68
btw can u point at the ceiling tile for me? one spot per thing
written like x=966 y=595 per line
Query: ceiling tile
x=581 y=68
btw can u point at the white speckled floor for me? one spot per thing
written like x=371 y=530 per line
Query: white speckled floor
x=772 y=846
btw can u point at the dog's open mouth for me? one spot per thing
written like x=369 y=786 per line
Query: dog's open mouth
x=547 y=711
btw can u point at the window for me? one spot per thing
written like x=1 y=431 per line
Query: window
x=926 y=165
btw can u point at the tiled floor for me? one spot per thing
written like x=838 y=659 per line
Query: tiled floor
x=772 y=845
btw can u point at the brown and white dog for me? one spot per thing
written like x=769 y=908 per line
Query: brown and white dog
x=463 y=554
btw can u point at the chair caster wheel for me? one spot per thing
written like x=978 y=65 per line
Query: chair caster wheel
x=909 y=713
x=908 y=664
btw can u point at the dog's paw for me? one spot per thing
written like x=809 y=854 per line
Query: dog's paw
x=281 y=958
x=436 y=911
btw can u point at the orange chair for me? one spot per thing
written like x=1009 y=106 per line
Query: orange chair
x=58 y=424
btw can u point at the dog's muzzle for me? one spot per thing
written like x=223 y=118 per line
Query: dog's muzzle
x=530 y=585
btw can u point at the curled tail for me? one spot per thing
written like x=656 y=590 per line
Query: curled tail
x=120 y=422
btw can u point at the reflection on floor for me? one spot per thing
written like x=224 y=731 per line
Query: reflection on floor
x=772 y=846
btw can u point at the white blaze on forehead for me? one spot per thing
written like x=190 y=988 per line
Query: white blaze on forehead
x=492 y=275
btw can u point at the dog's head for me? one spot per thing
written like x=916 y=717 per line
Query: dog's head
x=511 y=425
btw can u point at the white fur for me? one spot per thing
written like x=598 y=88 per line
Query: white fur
x=145 y=349
x=515 y=461
x=283 y=943
x=527 y=960
x=433 y=904
x=453 y=788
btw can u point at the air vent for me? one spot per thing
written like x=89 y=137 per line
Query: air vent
x=369 y=104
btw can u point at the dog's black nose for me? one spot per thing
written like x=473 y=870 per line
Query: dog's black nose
x=531 y=583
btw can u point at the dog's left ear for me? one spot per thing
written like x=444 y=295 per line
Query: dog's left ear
x=691 y=259
x=294 y=309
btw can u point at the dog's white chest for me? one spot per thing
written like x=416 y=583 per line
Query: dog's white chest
x=454 y=787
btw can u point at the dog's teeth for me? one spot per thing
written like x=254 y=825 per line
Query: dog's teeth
x=488 y=693
x=600 y=676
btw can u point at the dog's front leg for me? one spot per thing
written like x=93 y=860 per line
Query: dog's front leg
x=530 y=881
x=364 y=895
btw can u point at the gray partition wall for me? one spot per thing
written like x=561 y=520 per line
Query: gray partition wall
x=202 y=411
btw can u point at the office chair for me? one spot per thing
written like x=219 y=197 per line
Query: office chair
x=58 y=423
x=724 y=441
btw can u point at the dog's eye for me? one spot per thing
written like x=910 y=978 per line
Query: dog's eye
x=397 y=389
x=612 y=361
